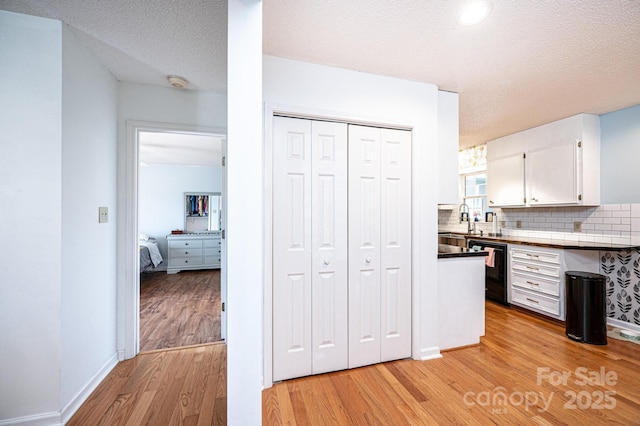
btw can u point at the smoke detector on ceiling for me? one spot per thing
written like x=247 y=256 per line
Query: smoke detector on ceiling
x=177 y=82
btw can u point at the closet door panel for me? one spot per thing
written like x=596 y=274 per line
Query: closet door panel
x=329 y=246
x=292 y=248
x=364 y=245
x=395 y=247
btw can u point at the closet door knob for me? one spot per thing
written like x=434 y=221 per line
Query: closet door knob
x=326 y=261
x=368 y=259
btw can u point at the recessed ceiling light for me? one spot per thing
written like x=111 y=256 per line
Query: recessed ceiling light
x=473 y=12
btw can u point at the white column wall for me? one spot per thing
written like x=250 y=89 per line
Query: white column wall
x=245 y=220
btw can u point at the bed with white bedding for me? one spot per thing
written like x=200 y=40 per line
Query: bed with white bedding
x=150 y=256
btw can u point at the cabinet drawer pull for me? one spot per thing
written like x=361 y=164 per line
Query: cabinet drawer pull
x=532 y=300
x=532 y=283
x=533 y=268
x=186 y=244
x=186 y=252
x=186 y=261
x=532 y=255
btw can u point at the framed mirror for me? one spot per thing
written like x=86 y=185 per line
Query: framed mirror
x=202 y=212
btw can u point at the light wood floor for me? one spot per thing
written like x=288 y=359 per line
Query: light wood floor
x=169 y=387
x=505 y=363
x=179 y=310
x=188 y=386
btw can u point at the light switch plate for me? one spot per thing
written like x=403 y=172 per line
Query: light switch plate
x=103 y=214
x=577 y=226
x=518 y=224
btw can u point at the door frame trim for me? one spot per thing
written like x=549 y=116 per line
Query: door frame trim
x=275 y=109
x=128 y=289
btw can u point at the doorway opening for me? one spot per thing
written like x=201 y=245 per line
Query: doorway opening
x=168 y=305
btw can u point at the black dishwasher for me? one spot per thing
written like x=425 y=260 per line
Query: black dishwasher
x=496 y=275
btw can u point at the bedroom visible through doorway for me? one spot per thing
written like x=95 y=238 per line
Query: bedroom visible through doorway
x=180 y=226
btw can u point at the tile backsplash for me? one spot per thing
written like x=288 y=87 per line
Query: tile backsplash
x=607 y=223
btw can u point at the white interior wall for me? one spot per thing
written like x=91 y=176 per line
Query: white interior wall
x=88 y=247
x=619 y=153
x=371 y=98
x=161 y=189
x=30 y=216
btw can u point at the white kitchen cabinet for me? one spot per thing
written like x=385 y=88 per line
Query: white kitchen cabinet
x=537 y=276
x=193 y=251
x=448 y=141
x=553 y=174
x=561 y=164
x=506 y=181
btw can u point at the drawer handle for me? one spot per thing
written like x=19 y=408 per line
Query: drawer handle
x=186 y=252
x=368 y=260
x=533 y=255
x=186 y=261
x=186 y=244
x=326 y=261
x=533 y=268
x=532 y=283
x=532 y=300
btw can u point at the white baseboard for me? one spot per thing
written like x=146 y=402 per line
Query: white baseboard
x=45 y=419
x=622 y=324
x=432 y=352
x=84 y=393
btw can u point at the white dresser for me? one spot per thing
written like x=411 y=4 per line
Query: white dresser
x=194 y=251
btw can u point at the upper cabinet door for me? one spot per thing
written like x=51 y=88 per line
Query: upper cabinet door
x=553 y=175
x=505 y=181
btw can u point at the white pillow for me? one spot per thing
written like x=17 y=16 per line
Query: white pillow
x=143 y=237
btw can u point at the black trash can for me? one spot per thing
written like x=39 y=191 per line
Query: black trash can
x=586 y=308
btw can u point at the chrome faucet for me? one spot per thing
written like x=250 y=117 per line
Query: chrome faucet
x=464 y=208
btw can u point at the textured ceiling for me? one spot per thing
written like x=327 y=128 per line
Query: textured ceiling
x=529 y=63
x=143 y=41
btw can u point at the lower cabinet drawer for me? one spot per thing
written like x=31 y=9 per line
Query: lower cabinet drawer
x=536 y=268
x=544 y=304
x=544 y=285
x=212 y=260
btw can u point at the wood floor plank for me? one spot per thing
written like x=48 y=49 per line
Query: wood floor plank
x=178 y=310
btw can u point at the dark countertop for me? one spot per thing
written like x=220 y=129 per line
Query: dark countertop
x=447 y=251
x=548 y=242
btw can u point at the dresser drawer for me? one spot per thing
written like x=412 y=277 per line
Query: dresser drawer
x=536 y=283
x=186 y=252
x=185 y=244
x=538 y=256
x=185 y=261
x=212 y=243
x=544 y=304
x=536 y=268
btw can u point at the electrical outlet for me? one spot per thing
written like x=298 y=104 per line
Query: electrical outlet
x=518 y=224
x=577 y=226
x=103 y=214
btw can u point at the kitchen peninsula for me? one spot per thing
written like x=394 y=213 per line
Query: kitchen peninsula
x=461 y=276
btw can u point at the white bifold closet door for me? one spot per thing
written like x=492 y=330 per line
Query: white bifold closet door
x=309 y=247
x=379 y=245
